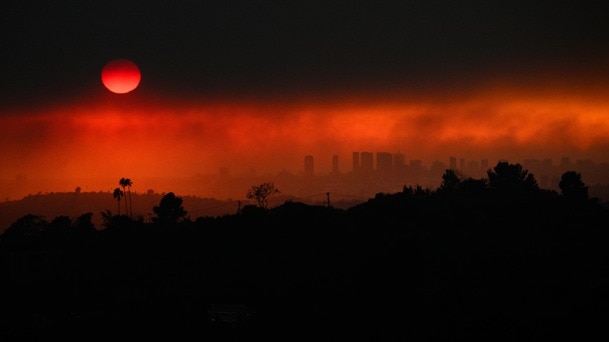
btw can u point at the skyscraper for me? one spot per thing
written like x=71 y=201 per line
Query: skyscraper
x=366 y=162
x=452 y=163
x=384 y=165
x=399 y=164
x=355 y=162
x=308 y=166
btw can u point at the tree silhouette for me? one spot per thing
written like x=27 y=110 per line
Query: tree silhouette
x=450 y=182
x=473 y=187
x=60 y=224
x=169 y=210
x=261 y=193
x=126 y=183
x=84 y=223
x=129 y=184
x=485 y=260
x=511 y=179
x=572 y=186
x=118 y=194
x=106 y=218
x=26 y=227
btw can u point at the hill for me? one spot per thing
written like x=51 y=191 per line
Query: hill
x=74 y=204
x=467 y=263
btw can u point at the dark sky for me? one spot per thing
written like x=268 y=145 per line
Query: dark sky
x=243 y=48
x=258 y=85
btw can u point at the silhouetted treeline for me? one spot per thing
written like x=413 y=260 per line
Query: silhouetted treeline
x=73 y=204
x=495 y=258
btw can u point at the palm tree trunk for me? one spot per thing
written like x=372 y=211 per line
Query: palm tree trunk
x=126 y=208
x=130 y=205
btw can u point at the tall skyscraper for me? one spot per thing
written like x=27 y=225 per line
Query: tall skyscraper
x=384 y=165
x=356 y=162
x=399 y=164
x=416 y=167
x=366 y=162
x=308 y=165
x=452 y=163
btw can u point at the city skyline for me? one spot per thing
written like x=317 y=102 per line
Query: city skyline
x=140 y=144
x=395 y=172
x=246 y=86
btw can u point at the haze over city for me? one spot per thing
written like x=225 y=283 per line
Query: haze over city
x=256 y=87
x=286 y=170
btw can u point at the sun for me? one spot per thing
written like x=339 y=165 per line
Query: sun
x=121 y=76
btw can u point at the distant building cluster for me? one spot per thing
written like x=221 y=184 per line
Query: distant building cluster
x=369 y=174
x=390 y=172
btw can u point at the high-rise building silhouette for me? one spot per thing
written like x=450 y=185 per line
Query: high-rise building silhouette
x=416 y=165
x=308 y=165
x=356 y=163
x=473 y=168
x=399 y=164
x=452 y=163
x=437 y=168
x=384 y=165
x=366 y=162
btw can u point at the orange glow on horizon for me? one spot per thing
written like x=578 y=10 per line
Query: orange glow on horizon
x=152 y=139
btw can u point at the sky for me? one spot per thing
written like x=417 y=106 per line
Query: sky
x=257 y=85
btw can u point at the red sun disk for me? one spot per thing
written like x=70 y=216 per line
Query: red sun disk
x=121 y=76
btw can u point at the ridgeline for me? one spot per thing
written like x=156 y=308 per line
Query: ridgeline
x=475 y=259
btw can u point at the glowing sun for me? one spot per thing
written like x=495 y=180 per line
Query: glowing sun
x=121 y=76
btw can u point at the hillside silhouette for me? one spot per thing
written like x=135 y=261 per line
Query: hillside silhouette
x=74 y=204
x=494 y=258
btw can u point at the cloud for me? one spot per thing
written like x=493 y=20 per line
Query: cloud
x=158 y=138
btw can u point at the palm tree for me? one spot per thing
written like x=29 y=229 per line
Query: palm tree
x=126 y=182
x=118 y=194
x=129 y=184
x=123 y=183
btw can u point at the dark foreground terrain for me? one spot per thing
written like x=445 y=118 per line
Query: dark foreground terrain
x=465 y=263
